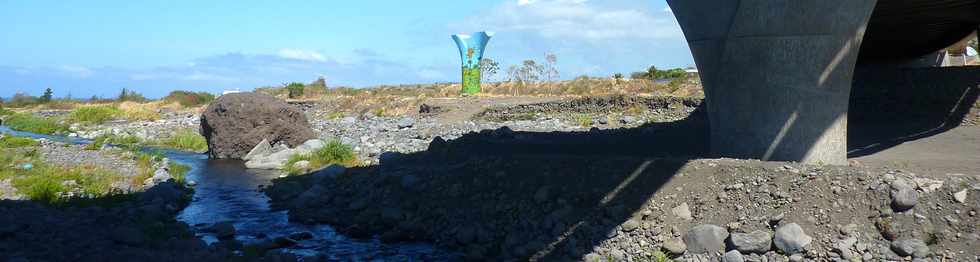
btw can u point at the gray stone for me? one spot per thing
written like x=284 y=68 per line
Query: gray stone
x=312 y=145
x=755 y=242
x=301 y=165
x=235 y=123
x=733 y=256
x=911 y=247
x=796 y=258
x=960 y=196
x=630 y=225
x=904 y=196
x=260 y=150
x=406 y=122
x=706 y=239
x=628 y=119
x=682 y=211
x=675 y=246
x=791 y=239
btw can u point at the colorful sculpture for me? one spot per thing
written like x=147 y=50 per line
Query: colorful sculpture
x=471 y=52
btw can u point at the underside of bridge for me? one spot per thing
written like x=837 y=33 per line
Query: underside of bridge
x=778 y=73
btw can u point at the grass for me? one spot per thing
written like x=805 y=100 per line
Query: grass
x=186 y=139
x=179 y=172
x=189 y=99
x=5 y=112
x=30 y=123
x=15 y=142
x=144 y=167
x=333 y=152
x=93 y=114
x=584 y=120
x=49 y=183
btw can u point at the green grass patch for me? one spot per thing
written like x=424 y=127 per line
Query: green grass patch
x=15 y=142
x=93 y=114
x=6 y=112
x=40 y=125
x=50 y=183
x=186 y=139
x=584 y=120
x=129 y=142
x=179 y=172
x=334 y=152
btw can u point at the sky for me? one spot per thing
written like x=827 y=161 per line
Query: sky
x=96 y=48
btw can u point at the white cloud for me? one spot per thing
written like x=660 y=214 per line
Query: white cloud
x=577 y=19
x=299 y=54
x=77 y=71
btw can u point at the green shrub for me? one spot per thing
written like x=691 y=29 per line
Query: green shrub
x=30 y=123
x=189 y=99
x=179 y=172
x=333 y=152
x=93 y=114
x=295 y=90
x=186 y=139
x=15 y=142
x=46 y=190
x=130 y=95
x=5 y=112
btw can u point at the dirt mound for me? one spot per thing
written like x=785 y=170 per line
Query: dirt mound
x=234 y=123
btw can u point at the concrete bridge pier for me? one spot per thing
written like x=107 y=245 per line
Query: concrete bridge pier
x=777 y=73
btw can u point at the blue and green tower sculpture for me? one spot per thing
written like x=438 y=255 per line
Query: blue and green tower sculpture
x=471 y=52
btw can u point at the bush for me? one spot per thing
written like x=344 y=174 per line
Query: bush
x=295 y=90
x=179 y=172
x=33 y=124
x=131 y=96
x=333 y=152
x=186 y=139
x=93 y=114
x=47 y=191
x=15 y=142
x=189 y=99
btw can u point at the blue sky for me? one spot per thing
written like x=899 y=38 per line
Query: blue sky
x=99 y=47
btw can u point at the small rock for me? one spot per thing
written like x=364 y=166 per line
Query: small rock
x=733 y=256
x=627 y=119
x=791 y=239
x=706 y=239
x=682 y=211
x=675 y=246
x=301 y=165
x=630 y=225
x=911 y=247
x=904 y=196
x=960 y=196
x=755 y=242
x=796 y=258
x=406 y=122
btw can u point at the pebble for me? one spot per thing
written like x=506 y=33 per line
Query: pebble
x=706 y=239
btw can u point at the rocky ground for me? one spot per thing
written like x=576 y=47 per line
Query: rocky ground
x=530 y=182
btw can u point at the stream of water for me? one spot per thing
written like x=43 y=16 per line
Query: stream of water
x=226 y=191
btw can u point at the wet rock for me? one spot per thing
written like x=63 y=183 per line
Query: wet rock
x=733 y=256
x=235 y=123
x=675 y=246
x=756 y=242
x=791 y=239
x=904 y=196
x=911 y=247
x=706 y=239
x=223 y=230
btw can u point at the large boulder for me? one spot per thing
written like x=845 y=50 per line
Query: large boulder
x=235 y=123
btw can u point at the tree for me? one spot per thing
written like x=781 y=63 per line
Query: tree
x=488 y=69
x=618 y=77
x=46 y=97
x=551 y=66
